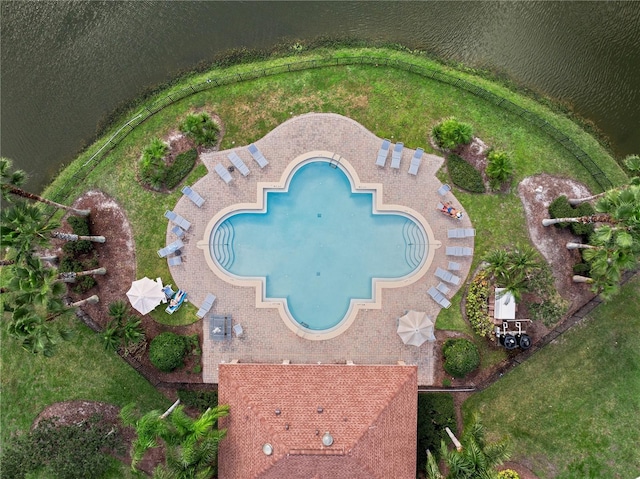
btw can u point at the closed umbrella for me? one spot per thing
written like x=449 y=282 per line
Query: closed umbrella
x=145 y=294
x=415 y=328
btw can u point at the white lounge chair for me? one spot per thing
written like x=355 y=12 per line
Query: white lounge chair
x=206 y=305
x=383 y=153
x=438 y=297
x=443 y=288
x=176 y=230
x=223 y=173
x=453 y=266
x=459 y=251
x=415 y=161
x=444 y=189
x=174 y=260
x=447 y=276
x=469 y=232
x=456 y=233
x=396 y=156
x=177 y=219
x=238 y=163
x=257 y=155
x=172 y=248
x=193 y=196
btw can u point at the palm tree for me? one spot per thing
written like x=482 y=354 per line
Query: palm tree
x=499 y=167
x=191 y=444
x=512 y=270
x=632 y=162
x=24 y=228
x=30 y=325
x=10 y=182
x=476 y=460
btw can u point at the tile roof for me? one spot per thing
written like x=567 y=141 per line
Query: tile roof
x=370 y=412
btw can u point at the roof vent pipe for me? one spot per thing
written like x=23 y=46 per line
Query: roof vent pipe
x=327 y=439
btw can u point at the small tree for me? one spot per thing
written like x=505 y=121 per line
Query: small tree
x=450 y=133
x=476 y=460
x=201 y=128
x=191 y=444
x=153 y=170
x=499 y=168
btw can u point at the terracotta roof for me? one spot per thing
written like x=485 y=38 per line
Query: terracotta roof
x=369 y=411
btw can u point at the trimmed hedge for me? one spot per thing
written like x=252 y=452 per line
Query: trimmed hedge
x=181 y=167
x=464 y=175
x=560 y=208
x=508 y=474
x=167 y=351
x=461 y=357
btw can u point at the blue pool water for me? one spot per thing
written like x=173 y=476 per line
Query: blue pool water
x=318 y=245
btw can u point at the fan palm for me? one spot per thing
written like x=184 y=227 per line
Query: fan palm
x=476 y=460
x=191 y=444
x=10 y=182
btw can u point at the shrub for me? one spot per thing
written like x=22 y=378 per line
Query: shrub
x=201 y=400
x=508 y=474
x=450 y=133
x=153 y=170
x=181 y=167
x=167 y=350
x=581 y=269
x=461 y=357
x=75 y=451
x=560 y=208
x=435 y=412
x=79 y=225
x=476 y=306
x=549 y=311
x=84 y=284
x=464 y=175
x=201 y=128
x=499 y=168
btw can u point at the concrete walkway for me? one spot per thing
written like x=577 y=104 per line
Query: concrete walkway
x=372 y=338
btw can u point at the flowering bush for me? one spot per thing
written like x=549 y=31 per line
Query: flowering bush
x=477 y=306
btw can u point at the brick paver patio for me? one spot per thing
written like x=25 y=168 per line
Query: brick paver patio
x=372 y=338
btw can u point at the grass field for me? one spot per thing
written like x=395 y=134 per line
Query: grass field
x=81 y=369
x=573 y=409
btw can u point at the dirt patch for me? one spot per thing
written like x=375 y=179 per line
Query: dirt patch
x=475 y=153
x=536 y=193
x=117 y=254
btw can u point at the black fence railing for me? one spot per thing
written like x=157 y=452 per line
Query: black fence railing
x=213 y=82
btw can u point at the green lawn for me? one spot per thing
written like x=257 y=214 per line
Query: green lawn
x=81 y=369
x=573 y=409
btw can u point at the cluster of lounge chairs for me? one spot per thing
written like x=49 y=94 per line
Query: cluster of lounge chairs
x=396 y=156
x=239 y=164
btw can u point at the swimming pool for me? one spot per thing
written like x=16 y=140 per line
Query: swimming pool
x=318 y=245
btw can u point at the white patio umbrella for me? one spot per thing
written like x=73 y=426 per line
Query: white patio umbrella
x=415 y=328
x=145 y=294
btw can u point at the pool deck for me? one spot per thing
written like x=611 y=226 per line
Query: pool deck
x=372 y=337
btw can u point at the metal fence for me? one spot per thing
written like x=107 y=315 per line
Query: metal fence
x=213 y=82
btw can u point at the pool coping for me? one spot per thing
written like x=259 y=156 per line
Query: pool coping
x=262 y=188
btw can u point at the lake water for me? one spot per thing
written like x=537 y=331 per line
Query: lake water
x=64 y=65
